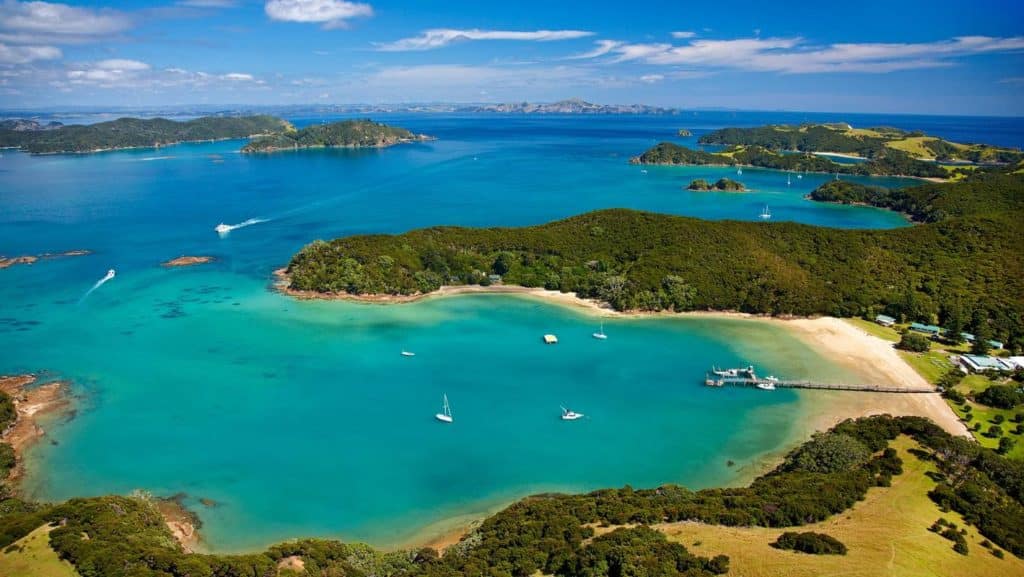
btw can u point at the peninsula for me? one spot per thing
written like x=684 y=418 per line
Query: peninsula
x=637 y=261
x=344 y=134
x=125 y=133
x=890 y=162
x=843 y=139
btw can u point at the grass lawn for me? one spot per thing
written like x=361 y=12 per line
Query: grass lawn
x=886 y=534
x=930 y=365
x=875 y=329
x=31 y=556
x=984 y=415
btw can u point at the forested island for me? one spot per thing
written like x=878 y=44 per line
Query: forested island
x=868 y=143
x=137 y=133
x=721 y=185
x=344 y=134
x=966 y=257
x=890 y=163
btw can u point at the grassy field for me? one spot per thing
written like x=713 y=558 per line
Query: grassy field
x=913 y=145
x=32 y=557
x=930 y=365
x=984 y=415
x=875 y=329
x=887 y=534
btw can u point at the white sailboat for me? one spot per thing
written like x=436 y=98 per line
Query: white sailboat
x=445 y=416
x=570 y=415
x=765 y=214
x=789 y=180
x=739 y=170
x=600 y=333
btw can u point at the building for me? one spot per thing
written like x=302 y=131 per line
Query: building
x=930 y=330
x=885 y=320
x=985 y=364
x=1016 y=362
x=996 y=345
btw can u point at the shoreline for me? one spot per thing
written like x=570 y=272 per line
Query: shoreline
x=31 y=401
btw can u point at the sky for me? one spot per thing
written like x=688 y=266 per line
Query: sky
x=931 y=57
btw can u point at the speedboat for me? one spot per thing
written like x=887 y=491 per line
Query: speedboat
x=222 y=228
x=726 y=372
x=570 y=415
x=768 y=384
x=408 y=354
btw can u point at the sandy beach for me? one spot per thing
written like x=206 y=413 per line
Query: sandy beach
x=30 y=402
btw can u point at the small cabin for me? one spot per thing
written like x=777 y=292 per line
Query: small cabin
x=550 y=340
x=930 y=330
x=885 y=320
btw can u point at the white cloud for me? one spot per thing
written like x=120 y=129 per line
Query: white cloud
x=330 y=13
x=652 y=78
x=123 y=73
x=26 y=54
x=1012 y=80
x=239 y=77
x=684 y=34
x=52 y=23
x=796 y=56
x=121 y=64
x=602 y=47
x=439 y=37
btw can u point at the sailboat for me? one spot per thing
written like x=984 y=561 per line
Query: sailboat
x=600 y=333
x=445 y=416
x=789 y=180
x=739 y=170
x=570 y=415
x=765 y=214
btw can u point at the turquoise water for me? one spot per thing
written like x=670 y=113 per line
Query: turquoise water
x=301 y=418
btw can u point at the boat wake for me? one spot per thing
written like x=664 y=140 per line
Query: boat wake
x=223 y=229
x=110 y=274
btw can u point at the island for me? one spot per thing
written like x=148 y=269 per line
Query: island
x=187 y=261
x=6 y=262
x=842 y=139
x=684 y=132
x=721 y=185
x=344 y=134
x=125 y=133
x=964 y=254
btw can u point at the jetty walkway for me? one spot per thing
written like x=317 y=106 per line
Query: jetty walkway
x=784 y=384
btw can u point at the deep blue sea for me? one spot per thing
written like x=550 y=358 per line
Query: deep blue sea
x=301 y=418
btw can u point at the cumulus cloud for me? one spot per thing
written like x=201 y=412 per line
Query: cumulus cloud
x=52 y=23
x=26 y=54
x=124 y=73
x=330 y=13
x=440 y=37
x=796 y=56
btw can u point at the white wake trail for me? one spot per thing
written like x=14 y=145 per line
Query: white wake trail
x=110 y=274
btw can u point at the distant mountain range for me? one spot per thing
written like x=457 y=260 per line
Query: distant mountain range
x=22 y=125
x=571 y=106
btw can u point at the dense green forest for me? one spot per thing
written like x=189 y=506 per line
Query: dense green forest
x=554 y=533
x=869 y=143
x=722 y=185
x=138 y=132
x=966 y=258
x=891 y=162
x=347 y=133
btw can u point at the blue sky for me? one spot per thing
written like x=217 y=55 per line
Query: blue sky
x=929 y=57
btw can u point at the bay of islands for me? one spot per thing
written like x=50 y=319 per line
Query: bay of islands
x=250 y=417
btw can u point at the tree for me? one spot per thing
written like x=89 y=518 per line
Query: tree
x=913 y=342
x=1005 y=445
x=955 y=323
x=503 y=263
x=994 y=431
x=982 y=335
x=829 y=453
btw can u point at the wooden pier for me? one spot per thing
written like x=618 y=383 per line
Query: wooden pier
x=714 y=381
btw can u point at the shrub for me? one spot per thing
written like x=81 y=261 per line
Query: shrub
x=810 y=542
x=913 y=342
